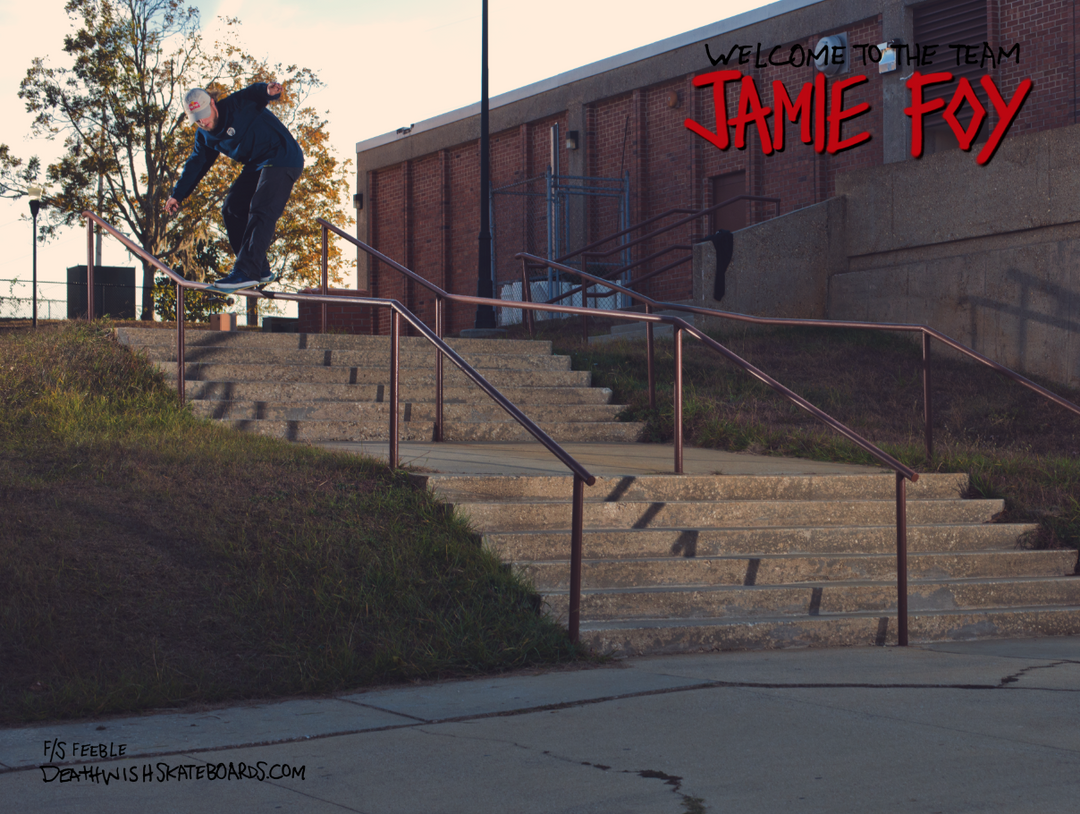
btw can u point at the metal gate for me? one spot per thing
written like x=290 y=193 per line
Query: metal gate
x=544 y=215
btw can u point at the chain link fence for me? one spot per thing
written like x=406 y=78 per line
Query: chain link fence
x=17 y=302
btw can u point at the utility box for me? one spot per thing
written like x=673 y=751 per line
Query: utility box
x=279 y=325
x=114 y=292
x=223 y=322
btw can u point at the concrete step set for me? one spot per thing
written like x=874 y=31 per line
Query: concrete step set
x=684 y=563
x=671 y=563
x=312 y=387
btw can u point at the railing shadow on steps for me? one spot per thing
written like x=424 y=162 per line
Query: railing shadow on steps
x=903 y=473
x=398 y=312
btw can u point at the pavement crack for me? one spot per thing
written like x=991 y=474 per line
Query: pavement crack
x=1015 y=677
x=691 y=805
x=390 y=711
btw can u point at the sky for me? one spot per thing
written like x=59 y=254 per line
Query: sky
x=384 y=65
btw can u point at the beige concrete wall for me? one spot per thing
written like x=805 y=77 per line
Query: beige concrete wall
x=779 y=268
x=988 y=255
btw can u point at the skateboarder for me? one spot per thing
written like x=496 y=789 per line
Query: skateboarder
x=243 y=129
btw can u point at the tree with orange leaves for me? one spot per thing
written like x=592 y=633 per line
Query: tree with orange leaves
x=117 y=105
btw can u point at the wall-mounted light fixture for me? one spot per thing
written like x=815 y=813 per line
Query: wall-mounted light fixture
x=358 y=200
x=888 y=62
x=571 y=139
x=832 y=55
x=673 y=99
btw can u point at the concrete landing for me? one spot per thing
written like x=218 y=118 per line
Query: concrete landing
x=530 y=458
x=984 y=726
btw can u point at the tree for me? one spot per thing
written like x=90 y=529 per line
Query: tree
x=118 y=109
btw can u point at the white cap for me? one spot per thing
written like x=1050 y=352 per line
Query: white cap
x=197 y=104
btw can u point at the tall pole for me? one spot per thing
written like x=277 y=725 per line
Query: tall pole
x=34 y=212
x=35 y=206
x=485 y=314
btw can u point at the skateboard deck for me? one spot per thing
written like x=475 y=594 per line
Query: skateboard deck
x=212 y=288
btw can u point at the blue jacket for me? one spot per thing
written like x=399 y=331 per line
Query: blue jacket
x=247 y=132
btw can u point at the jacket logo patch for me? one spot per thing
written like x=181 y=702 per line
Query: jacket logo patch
x=231 y=131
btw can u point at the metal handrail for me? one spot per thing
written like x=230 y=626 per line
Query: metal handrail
x=926 y=331
x=398 y=312
x=692 y=214
x=681 y=325
x=927 y=334
x=903 y=472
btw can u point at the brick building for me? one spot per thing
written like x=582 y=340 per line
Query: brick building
x=619 y=127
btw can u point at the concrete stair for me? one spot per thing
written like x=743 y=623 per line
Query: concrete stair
x=328 y=387
x=685 y=563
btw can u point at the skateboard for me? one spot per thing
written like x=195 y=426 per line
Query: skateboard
x=257 y=284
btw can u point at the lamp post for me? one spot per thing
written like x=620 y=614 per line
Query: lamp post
x=485 y=314
x=34 y=192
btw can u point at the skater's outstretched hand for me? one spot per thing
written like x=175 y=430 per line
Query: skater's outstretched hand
x=274 y=88
x=172 y=206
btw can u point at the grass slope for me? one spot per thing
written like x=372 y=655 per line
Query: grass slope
x=150 y=559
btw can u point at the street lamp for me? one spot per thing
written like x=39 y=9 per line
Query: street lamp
x=485 y=314
x=34 y=192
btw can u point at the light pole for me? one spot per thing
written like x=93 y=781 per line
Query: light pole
x=485 y=314
x=35 y=206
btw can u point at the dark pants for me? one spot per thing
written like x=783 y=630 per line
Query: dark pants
x=251 y=211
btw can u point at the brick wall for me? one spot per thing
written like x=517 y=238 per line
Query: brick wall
x=1046 y=30
x=425 y=211
x=342 y=319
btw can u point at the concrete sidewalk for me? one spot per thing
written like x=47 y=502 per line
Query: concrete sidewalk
x=980 y=726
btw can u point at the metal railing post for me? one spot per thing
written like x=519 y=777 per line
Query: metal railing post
x=180 y=377
x=901 y=562
x=438 y=433
x=526 y=296
x=323 y=289
x=584 y=316
x=678 y=402
x=89 y=270
x=928 y=403
x=577 y=523
x=395 y=355
x=651 y=347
